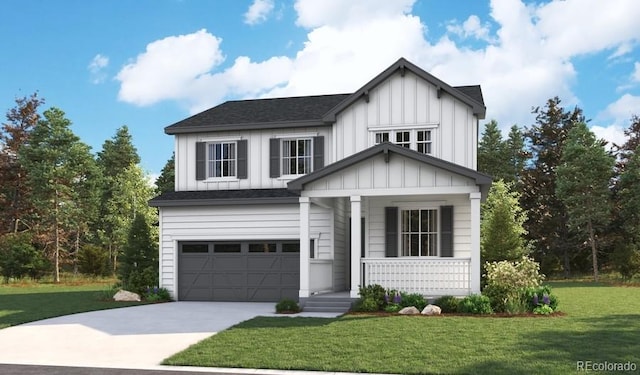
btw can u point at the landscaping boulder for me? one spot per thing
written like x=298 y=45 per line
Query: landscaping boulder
x=409 y=311
x=431 y=310
x=126 y=296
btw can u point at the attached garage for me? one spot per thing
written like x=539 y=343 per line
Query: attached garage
x=256 y=271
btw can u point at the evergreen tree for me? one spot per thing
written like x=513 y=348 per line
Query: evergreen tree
x=492 y=152
x=626 y=254
x=58 y=167
x=501 y=230
x=118 y=153
x=583 y=178
x=15 y=202
x=547 y=215
x=139 y=266
x=516 y=155
x=166 y=181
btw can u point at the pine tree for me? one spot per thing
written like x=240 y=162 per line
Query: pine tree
x=166 y=181
x=583 y=179
x=547 y=215
x=58 y=167
x=492 y=152
x=516 y=155
x=139 y=267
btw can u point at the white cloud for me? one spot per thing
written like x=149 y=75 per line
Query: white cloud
x=613 y=134
x=635 y=76
x=526 y=60
x=169 y=67
x=258 y=12
x=617 y=115
x=96 y=68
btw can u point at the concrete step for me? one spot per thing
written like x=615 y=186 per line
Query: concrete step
x=327 y=305
x=327 y=309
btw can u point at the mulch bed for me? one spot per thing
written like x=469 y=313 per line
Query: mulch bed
x=444 y=315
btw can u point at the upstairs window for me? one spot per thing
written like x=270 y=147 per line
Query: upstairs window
x=403 y=138
x=423 y=141
x=382 y=137
x=297 y=156
x=221 y=159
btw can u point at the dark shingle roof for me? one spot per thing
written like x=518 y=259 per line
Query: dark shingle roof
x=474 y=92
x=260 y=113
x=224 y=197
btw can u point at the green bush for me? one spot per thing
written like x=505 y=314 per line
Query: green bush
x=94 y=260
x=414 y=299
x=392 y=308
x=156 y=294
x=626 y=260
x=367 y=304
x=539 y=293
x=140 y=280
x=287 y=305
x=19 y=258
x=543 y=310
x=506 y=281
x=376 y=293
x=475 y=304
x=448 y=304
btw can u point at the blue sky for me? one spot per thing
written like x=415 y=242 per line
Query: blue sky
x=149 y=63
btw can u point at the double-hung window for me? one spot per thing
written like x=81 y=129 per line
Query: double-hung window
x=221 y=159
x=423 y=141
x=419 y=232
x=297 y=156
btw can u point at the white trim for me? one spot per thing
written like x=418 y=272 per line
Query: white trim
x=219 y=139
x=423 y=125
x=356 y=244
x=305 y=222
x=298 y=135
x=443 y=190
x=425 y=206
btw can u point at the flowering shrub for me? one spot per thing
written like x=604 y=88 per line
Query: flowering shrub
x=508 y=281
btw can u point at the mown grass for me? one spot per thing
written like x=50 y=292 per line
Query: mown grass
x=27 y=302
x=602 y=323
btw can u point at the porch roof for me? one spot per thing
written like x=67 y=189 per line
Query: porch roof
x=386 y=149
x=224 y=197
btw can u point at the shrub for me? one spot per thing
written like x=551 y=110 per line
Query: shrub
x=287 y=305
x=448 y=304
x=156 y=294
x=392 y=308
x=140 y=280
x=626 y=260
x=19 y=258
x=543 y=310
x=367 y=304
x=414 y=299
x=93 y=260
x=506 y=282
x=475 y=304
x=376 y=293
x=540 y=296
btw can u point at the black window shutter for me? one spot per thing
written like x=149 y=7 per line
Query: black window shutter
x=318 y=152
x=391 y=231
x=274 y=157
x=201 y=161
x=242 y=159
x=446 y=231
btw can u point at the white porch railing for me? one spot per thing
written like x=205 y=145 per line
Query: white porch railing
x=430 y=276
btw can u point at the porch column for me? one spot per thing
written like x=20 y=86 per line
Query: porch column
x=475 y=243
x=356 y=214
x=304 y=247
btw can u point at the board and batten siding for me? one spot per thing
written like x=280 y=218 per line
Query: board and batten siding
x=234 y=223
x=257 y=158
x=398 y=173
x=404 y=103
x=375 y=234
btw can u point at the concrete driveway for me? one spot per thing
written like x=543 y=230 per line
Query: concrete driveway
x=137 y=337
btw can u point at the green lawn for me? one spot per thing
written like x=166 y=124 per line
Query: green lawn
x=602 y=324
x=30 y=302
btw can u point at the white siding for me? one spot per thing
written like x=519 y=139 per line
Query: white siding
x=257 y=158
x=409 y=103
x=398 y=173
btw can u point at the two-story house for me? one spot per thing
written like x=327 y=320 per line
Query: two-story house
x=299 y=196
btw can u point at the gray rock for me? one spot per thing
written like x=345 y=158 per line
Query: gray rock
x=431 y=310
x=411 y=310
x=126 y=296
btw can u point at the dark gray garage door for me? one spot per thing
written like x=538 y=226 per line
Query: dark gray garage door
x=238 y=271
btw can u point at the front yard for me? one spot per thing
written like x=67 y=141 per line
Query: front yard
x=602 y=323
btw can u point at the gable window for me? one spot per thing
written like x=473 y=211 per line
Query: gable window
x=419 y=232
x=296 y=156
x=423 y=141
x=221 y=159
x=420 y=140
x=403 y=138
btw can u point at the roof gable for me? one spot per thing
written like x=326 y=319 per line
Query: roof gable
x=470 y=95
x=480 y=179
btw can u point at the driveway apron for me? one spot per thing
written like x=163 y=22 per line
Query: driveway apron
x=131 y=337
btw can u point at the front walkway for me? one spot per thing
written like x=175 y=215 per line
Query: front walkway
x=132 y=337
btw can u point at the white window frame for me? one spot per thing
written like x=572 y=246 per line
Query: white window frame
x=391 y=134
x=287 y=173
x=401 y=248
x=231 y=175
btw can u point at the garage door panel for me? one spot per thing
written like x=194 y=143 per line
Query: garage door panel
x=238 y=276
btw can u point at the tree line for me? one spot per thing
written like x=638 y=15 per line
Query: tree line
x=561 y=195
x=64 y=208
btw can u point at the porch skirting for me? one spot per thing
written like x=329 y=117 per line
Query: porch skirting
x=430 y=277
